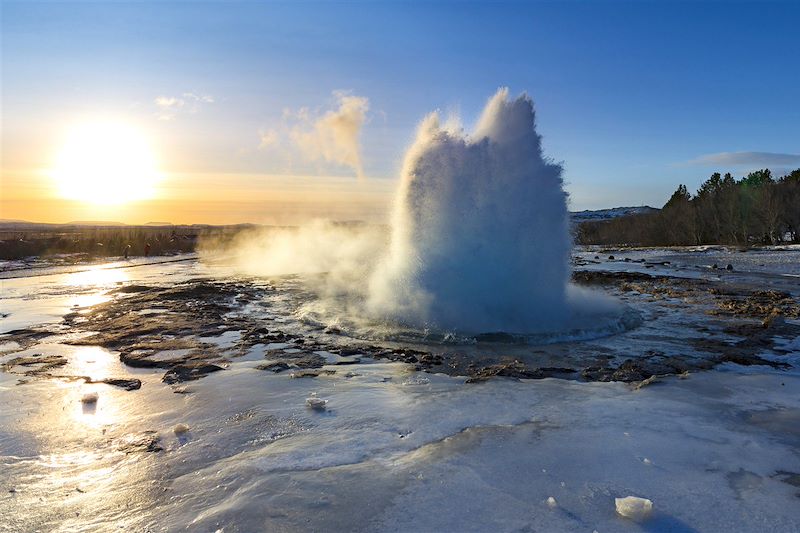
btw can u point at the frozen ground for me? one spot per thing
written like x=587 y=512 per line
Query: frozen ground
x=422 y=436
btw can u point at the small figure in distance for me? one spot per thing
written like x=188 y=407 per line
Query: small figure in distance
x=127 y=251
x=147 y=249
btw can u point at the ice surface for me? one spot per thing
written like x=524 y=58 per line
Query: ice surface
x=397 y=450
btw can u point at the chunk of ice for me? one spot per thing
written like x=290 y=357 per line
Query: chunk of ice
x=89 y=397
x=634 y=508
x=315 y=403
x=180 y=429
x=551 y=502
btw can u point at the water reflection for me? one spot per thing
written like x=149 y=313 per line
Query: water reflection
x=97 y=281
x=97 y=276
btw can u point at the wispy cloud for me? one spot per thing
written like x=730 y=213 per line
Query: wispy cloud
x=333 y=136
x=268 y=138
x=741 y=159
x=170 y=106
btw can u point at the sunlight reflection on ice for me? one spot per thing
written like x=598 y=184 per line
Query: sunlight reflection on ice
x=98 y=276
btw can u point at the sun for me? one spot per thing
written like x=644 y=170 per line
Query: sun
x=105 y=163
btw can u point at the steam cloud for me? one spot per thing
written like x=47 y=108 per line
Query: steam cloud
x=334 y=137
x=480 y=236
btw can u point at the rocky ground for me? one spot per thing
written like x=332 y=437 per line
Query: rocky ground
x=176 y=328
x=171 y=397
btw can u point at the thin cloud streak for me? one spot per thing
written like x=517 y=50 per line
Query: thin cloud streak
x=170 y=106
x=738 y=159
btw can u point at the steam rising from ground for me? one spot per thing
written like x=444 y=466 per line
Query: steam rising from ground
x=479 y=239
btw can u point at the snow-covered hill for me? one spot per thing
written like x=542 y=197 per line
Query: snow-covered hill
x=614 y=212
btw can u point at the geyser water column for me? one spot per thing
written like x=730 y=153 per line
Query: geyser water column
x=480 y=239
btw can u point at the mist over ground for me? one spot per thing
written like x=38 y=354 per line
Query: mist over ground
x=478 y=239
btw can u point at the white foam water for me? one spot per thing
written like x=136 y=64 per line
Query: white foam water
x=480 y=239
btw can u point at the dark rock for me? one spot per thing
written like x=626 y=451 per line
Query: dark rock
x=311 y=373
x=553 y=371
x=499 y=337
x=775 y=318
x=131 y=289
x=36 y=363
x=189 y=371
x=729 y=267
x=147 y=441
x=347 y=351
x=750 y=360
x=278 y=366
x=629 y=370
x=430 y=359
x=127 y=384
x=306 y=360
x=514 y=369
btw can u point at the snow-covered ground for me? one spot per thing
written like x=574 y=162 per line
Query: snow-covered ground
x=396 y=449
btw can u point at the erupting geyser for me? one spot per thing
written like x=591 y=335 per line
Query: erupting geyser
x=480 y=239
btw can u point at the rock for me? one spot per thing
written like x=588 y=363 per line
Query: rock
x=317 y=404
x=36 y=363
x=180 y=429
x=514 y=369
x=306 y=360
x=127 y=384
x=646 y=382
x=277 y=366
x=610 y=257
x=630 y=370
x=634 y=508
x=310 y=373
x=499 y=337
x=189 y=371
x=775 y=318
x=147 y=441
x=750 y=360
x=729 y=267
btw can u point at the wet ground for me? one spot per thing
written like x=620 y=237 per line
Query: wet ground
x=223 y=404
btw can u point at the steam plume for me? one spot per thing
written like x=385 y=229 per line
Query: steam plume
x=480 y=236
x=334 y=137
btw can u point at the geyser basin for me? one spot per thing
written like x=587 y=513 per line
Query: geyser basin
x=480 y=238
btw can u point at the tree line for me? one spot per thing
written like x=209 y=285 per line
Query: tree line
x=757 y=209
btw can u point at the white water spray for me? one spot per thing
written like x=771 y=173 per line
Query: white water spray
x=480 y=238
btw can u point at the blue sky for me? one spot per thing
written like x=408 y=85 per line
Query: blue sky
x=633 y=97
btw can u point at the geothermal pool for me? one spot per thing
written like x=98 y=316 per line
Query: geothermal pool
x=438 y=435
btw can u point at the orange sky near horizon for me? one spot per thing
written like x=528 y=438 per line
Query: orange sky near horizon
x=199 y=198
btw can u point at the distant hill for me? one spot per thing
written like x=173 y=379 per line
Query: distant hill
x=94 y=223
x=159 y=224
x=608 y=214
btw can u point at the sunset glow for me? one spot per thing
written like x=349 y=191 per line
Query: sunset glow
x=105 y=163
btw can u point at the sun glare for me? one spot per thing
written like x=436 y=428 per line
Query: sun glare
x=105 y=163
